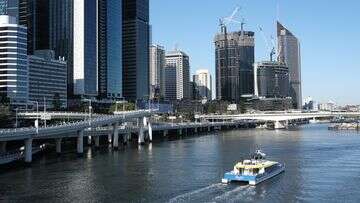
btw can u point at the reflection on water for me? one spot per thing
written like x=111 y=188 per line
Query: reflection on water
x=321 y=165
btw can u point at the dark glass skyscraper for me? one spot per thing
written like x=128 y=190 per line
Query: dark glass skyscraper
x=289 y=53
x=110 y=48
x=58 y=34
x=135 y=49
x=234 y=58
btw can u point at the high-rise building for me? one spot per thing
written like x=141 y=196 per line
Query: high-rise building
x=234 y=58
x=203 y=82
x=13 y=61
x=47 y=79
x=136 y=39
x=157 y=65
x=85 y=47
x=289 y=53
x=110 y=48
x=271 y=80
x=179 y=61
x=24 y=12
x=170 y=83
x=71 y=31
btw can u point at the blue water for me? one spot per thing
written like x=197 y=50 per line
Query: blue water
x=321 y=166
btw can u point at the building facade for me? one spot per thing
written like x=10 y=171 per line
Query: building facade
x=289 y=53
x=271 y=80
x=13 y=61
x=24 y=12
x=85 y=51
x=157 y=65
x=47 y=79
x=179 y=61
x=136 y=39
x=110 y=49
x=203 y=81
x=170 y=83
x=234 y=58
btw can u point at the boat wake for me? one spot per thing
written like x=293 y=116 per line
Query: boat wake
x=216 y=193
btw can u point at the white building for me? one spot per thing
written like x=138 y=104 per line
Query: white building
x=329 y=106
x=203 y=82
x=180 y=62
x=14 y=79
x=157 y=65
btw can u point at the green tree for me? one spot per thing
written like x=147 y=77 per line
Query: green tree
x=125 y=106
x=56 y=102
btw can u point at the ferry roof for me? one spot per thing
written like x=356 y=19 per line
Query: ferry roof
x=259 y=165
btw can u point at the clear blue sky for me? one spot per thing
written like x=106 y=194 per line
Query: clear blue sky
x=329 y=31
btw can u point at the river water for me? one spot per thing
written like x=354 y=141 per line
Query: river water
x=321 y=166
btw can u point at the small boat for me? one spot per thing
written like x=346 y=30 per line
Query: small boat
x=254 y=170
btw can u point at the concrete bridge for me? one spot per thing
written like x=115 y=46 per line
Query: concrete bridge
x=114 y=127
x=72 y=128
x=280 y=119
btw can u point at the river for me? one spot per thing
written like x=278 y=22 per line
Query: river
x=321 y=166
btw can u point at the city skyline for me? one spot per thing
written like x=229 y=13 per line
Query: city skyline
x=315 y=35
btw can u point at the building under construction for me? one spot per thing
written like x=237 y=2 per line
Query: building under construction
x=234 y=59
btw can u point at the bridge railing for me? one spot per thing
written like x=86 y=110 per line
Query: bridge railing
x=94 y=122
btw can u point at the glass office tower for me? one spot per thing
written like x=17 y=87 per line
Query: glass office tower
x=136 y=49
x=289 y=53
x=110 y=48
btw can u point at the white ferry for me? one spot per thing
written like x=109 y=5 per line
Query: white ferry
x=254 y=170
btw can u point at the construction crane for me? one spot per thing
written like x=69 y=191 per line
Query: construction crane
x=225 y=21
x=270 y=49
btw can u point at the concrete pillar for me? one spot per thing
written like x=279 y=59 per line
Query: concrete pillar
x=150 y=132
x=165 y=132
x=141 y=138
x=97 y=141
x=89 y=139
x=180 y=131
x=209 y=128
x=58 y=145
x=279 y=125
x=195 y=130
x=110 y=135
x=28 y=150
x=2 y=147
x=116 y=136
x=80 y=142
x=145 y=123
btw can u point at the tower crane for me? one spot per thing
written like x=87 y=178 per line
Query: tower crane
x=270 y=49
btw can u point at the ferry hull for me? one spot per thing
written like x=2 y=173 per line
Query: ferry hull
x=252 y=180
